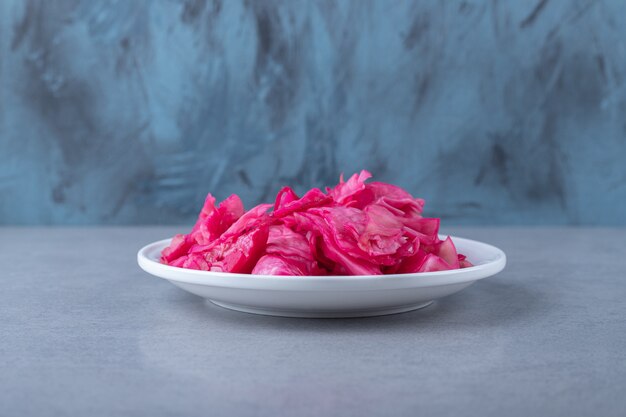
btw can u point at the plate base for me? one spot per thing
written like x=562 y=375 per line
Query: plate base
x=322 y=314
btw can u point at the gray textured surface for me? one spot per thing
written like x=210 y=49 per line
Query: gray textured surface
x=127 y=112
x=83 y=331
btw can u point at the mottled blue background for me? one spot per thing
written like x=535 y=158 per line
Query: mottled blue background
x=131 y=111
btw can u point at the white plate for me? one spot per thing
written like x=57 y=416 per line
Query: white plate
x=327 y=296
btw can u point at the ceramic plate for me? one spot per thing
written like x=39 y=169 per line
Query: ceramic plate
x=327 y=296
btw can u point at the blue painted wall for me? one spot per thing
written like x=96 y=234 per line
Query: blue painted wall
x=131 y=111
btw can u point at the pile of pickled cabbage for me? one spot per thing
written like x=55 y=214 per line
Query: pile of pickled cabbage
x=354 y=228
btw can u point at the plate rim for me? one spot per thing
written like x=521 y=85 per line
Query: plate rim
x=325 y=282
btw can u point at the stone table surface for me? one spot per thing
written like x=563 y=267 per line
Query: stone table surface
x=85 y=332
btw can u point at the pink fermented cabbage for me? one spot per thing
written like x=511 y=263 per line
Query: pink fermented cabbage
x=354 y=228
